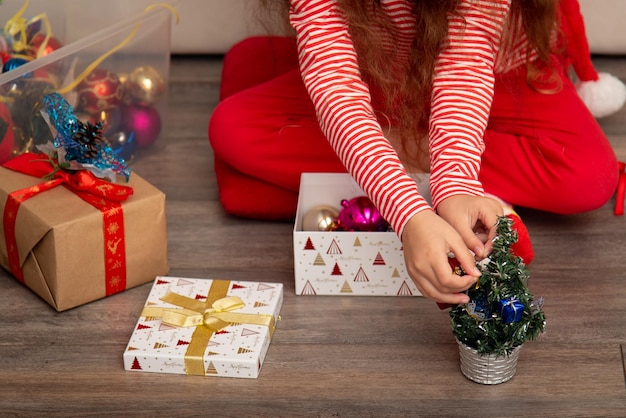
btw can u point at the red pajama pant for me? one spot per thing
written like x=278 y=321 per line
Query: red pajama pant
x=542 y=151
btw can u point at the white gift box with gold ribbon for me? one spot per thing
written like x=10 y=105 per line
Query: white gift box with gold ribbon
x=205 y=327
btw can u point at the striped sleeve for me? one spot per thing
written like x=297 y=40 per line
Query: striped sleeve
x=462 y=96
x=342 y=100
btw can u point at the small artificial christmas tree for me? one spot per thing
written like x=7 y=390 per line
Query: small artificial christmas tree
x=502 y=313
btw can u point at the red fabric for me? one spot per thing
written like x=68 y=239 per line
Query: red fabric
x=523 y=247
x=572 y=25
x=621 y=190
x=543 y=151
x=264 y=132
x=546 y=151
x=261 y=59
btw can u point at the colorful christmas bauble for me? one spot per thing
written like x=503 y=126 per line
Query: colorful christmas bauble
x=360 y=214
x=143 y=121
x=320 y=218
x=13 y=63
x=145 y=85
x=51 y=45
x=100 y=90
x=123 y=145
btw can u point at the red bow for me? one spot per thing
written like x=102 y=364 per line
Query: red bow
x=83 y=181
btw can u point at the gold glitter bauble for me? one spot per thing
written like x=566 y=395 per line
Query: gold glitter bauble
x=145 y=85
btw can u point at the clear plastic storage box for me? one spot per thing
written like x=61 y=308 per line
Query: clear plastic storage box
x=109 y=60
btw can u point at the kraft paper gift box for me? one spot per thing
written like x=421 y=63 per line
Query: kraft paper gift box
x=61 y=248
x=346 y=262
x=205 y=327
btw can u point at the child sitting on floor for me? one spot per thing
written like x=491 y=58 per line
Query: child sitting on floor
x=475 y=92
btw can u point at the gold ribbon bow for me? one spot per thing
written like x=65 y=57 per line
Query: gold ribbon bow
x=216 y=317
x=208 y=317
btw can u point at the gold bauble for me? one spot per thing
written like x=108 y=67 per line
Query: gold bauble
x=320 y=218
x=145 y=85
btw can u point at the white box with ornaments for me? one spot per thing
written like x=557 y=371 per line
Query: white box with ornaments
x=347 y=263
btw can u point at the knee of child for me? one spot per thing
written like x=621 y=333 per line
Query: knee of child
x=223 y=129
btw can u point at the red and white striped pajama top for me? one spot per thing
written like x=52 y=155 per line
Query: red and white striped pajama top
x=461 y=100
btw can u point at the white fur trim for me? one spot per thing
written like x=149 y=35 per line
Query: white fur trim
x=603 y=97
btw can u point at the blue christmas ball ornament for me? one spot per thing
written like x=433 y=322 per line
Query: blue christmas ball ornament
x=123 y=145
x=13 y=63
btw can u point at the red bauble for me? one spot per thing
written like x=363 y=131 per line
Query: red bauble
x=101 y=90
x=143 y=121
x=52 y=45
x=4 y=56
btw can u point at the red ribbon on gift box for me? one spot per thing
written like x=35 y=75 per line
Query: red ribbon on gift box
x=104 y=196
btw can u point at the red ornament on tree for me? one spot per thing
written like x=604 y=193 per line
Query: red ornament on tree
x=101 y=90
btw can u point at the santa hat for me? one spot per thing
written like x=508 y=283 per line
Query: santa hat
x=603 y=93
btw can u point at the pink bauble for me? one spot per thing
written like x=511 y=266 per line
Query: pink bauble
x=143 y=121
x=360 y=214
x=100 y=90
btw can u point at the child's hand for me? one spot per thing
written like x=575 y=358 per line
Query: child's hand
x=427 y=240
x=474 y=218
x=464 y=223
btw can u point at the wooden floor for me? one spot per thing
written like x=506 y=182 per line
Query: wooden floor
x=330 y=356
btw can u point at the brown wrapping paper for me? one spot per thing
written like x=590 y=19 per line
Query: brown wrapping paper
x=61 y=244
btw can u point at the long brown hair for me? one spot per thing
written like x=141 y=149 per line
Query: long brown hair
x=405 y=90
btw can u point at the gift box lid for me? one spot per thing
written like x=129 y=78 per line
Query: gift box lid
x=179 y=329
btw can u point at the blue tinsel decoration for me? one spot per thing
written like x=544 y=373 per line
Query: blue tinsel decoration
x=82 y=142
